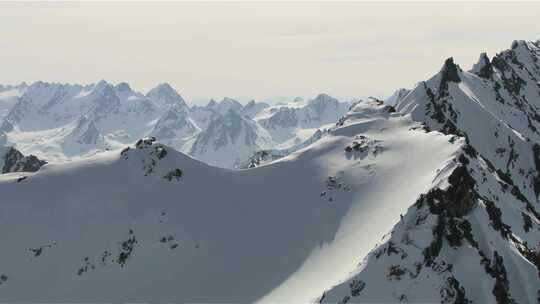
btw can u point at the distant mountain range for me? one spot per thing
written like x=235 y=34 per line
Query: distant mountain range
x=63 y=121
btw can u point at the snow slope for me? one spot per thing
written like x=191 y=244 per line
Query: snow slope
x=476 y=235
x=123 y=226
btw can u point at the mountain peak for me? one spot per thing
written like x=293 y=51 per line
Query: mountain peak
x=165 y=95
x=123 y=87
x=102 y=83
x=323 y=96
x=224 y=105
x=516 y=43
x=450 y=71
x=166 y=88
x=228 y=100
x=323 y=99
x=165 y=85
x=211 y=103
x=483 y=67
x=103 y=87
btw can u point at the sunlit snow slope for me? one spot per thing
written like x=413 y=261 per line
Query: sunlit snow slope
x=474 y=237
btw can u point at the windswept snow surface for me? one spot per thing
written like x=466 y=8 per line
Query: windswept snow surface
x=112 y=228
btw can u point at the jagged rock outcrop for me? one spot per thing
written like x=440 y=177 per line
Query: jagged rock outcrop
x=15 y=161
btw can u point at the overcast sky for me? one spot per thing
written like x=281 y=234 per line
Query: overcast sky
x=253 y=49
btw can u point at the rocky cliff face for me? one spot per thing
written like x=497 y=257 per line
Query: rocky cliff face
x=15 y=161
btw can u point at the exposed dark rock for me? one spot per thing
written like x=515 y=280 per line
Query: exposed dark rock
x=390 y=109
x=450 y=71
x=356 y=286
x=39 y=250
x=450 y=205
x=263 y=156
x=453 y=292
x=527 y=222
x=144 y=142
x=88 y=265
x=536 y=178
x=495 y=215
x=126 y=249
x=15 y=161
x=495 y=268
x=175 y=174
x=484 y=68
x=395 y=272
x=161 y=152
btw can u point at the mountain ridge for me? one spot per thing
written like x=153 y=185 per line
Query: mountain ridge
x=44 y=117
x=484 y=218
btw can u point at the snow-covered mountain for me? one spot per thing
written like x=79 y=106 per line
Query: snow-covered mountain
x=433 y=199
x=166 y=96
x=252 y=108
x=230 y=139
x=292 y=123
x=59 y=122
x=234 y=134
x=224 y=106
x=396 y=97
x=175 y=125
x=152 y=224
x=475 y=236
x=321 y=109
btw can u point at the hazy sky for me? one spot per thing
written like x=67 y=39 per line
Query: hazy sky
x=254 y=49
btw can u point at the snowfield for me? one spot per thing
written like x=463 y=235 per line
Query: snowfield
x=235 y=238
